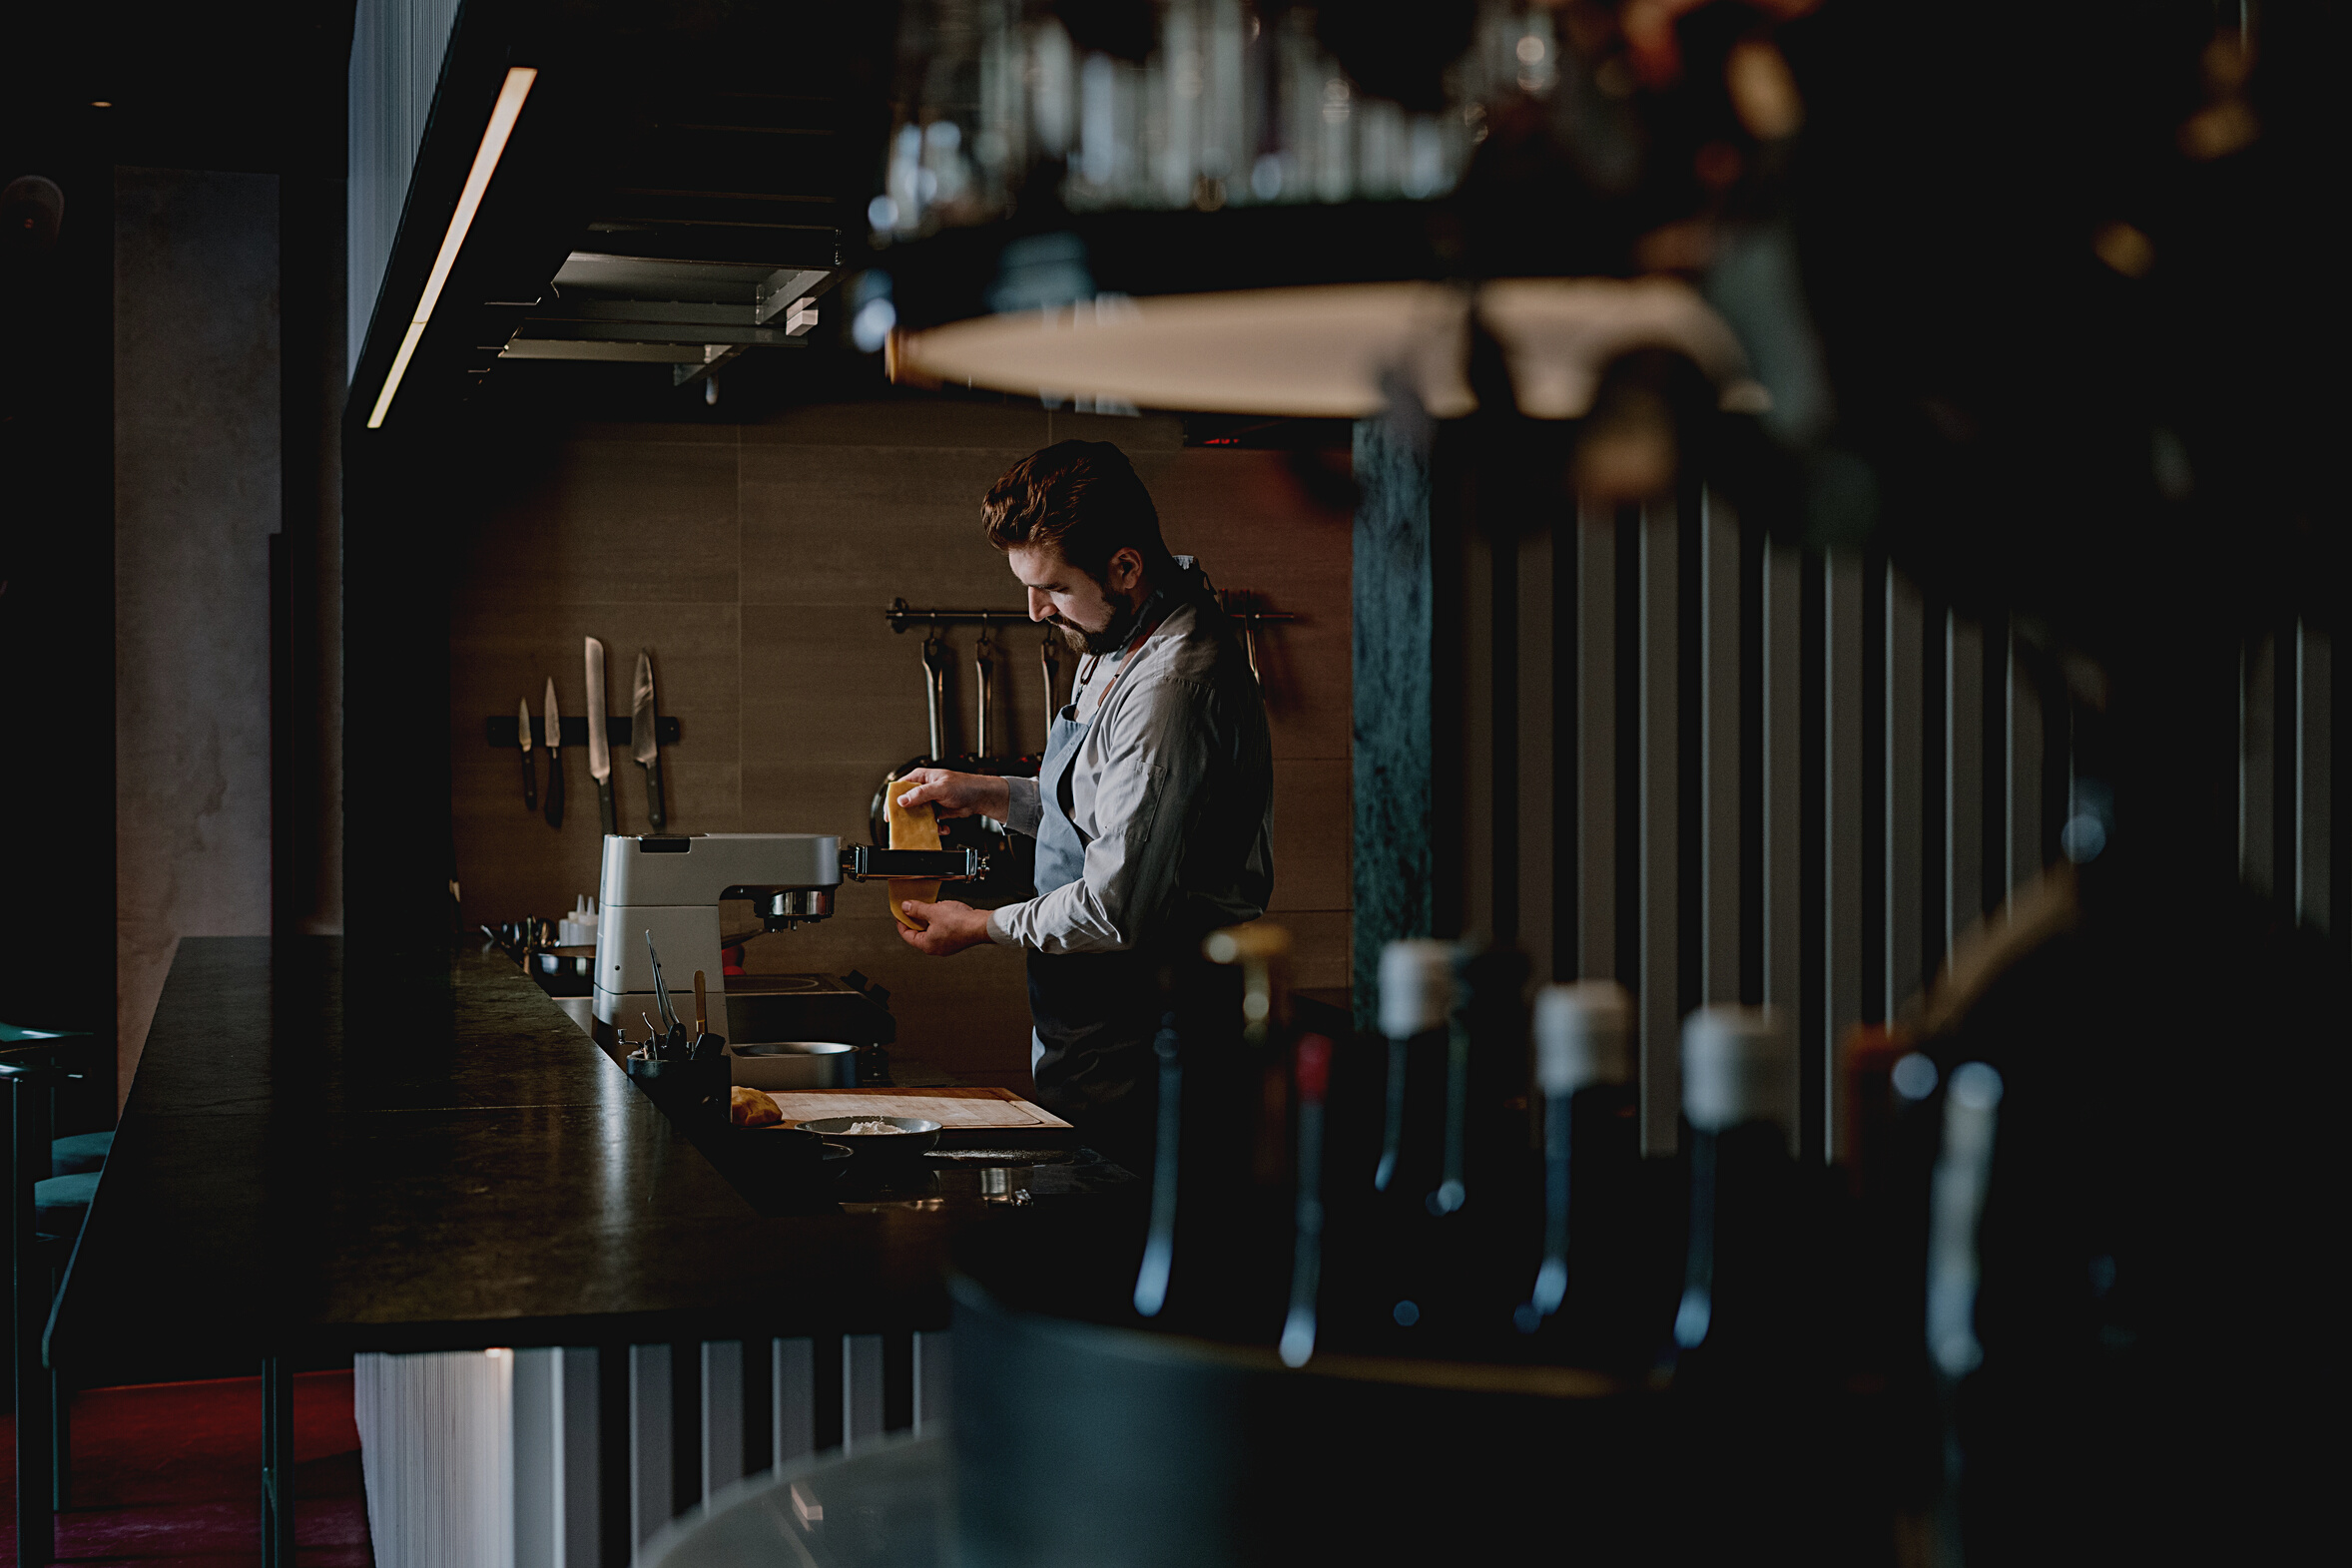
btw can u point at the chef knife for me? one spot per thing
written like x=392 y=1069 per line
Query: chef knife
x=522 y=733
x=554 y=758
x=600 y=753
x=645 y=743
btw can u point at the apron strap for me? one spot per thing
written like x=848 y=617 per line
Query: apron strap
x=1061 y=779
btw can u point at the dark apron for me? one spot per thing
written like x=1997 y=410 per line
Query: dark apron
x=1095 y=1013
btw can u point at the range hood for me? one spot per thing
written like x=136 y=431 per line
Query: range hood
x=694 y=314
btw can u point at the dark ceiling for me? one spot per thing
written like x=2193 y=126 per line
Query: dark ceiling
x=681 y=172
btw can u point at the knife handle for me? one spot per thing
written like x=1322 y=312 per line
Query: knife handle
x=656 y=815
x=530 y=782
x=604 y=805
x=555 y=786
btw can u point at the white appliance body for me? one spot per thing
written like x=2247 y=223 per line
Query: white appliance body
x=670 y=886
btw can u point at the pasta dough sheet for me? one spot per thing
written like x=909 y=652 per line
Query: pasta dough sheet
x=915 y=830
x=970 y=1109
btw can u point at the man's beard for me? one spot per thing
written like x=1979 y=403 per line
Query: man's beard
x=1107 y=641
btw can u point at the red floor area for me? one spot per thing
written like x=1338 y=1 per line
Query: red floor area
x=169 y=1476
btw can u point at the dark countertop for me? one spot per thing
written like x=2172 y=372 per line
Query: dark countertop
x=319 y=1156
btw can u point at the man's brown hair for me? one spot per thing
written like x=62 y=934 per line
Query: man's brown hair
x=1082 y=500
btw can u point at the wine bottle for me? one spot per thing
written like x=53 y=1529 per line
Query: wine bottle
x=1314 y=1077
x=1416 y=998
x=1584 y=1067
x=1386 y=1288
x=1159 y=1244
x=1739 y=1072
x=1972 y=1105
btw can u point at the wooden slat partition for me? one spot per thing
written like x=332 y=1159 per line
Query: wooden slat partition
x=1658 y=987
x=2314 y=758
x=1782 y=609
x=1963 y=777
x=1594 y=897
x=1720 y=615
x=2024 y=747
x=1904 y=770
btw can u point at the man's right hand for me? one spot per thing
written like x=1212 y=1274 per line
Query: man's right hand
x=957 y=795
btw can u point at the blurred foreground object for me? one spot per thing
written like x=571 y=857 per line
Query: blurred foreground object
x=1343 y=351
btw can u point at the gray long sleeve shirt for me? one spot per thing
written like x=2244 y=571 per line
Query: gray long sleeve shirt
x=1172 y=793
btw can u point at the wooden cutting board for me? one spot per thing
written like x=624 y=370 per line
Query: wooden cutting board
x=994 y=1112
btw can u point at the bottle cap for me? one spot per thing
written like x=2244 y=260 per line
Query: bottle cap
x=1581 y=1036
x=1740 y=1064
x=1314 y=1067
x=1417 y=987
x=578 y=928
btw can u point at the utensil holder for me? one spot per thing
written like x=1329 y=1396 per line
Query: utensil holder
x=691 y=1090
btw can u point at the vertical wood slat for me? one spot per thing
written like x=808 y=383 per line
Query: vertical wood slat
x=2021 y=842
x=1783 y=773
x=1539 y=792
x=1596 y=747
x=1964 y=777
x=1660 y=741
x=757 y=1395
x=616 y=1500
x=722 y=1415
x=2257 y=763
x=1842 y=824
x=1479 y=831
x=685 y=1425
x=536 y=1427
x=1906 y=925
x=931 y=1379
x=2314 y=759
x=650 y=1478
x=578 y=1427
x=861 y=1391
x=1719 y=746
x=794 y=1404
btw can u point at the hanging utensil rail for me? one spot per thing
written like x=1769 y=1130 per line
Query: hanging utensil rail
x=903 y=615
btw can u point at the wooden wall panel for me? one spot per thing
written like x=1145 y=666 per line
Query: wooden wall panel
x=756 y=563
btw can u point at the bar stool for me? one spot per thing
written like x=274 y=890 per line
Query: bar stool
x=62 y=1203
x=79 y=1153
x=75 y=1151
x=37 y=1254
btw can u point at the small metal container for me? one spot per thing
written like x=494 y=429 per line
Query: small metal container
x=915 y=1138
x=562 y=971
x=793 y=1064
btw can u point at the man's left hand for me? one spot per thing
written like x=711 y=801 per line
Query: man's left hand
x=948 y=927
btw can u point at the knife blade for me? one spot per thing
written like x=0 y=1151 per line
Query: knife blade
x=554 y=758
x=645 y=743
x=522 y=730
x=600 y=753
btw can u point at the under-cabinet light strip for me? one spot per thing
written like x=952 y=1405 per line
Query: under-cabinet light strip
x=485 y=164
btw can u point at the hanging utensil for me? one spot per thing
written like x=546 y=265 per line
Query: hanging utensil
x=554 y=740
x=522 y=726
x=983 y=656
x=935 y=663
x=645 y=743
x=600 y=755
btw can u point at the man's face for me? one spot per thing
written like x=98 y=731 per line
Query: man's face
x=1060 y=594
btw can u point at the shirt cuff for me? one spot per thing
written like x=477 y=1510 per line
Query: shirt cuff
x=1024 y=813
x=1001 y=933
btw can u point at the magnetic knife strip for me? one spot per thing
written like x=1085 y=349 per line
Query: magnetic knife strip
x=618 y=728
